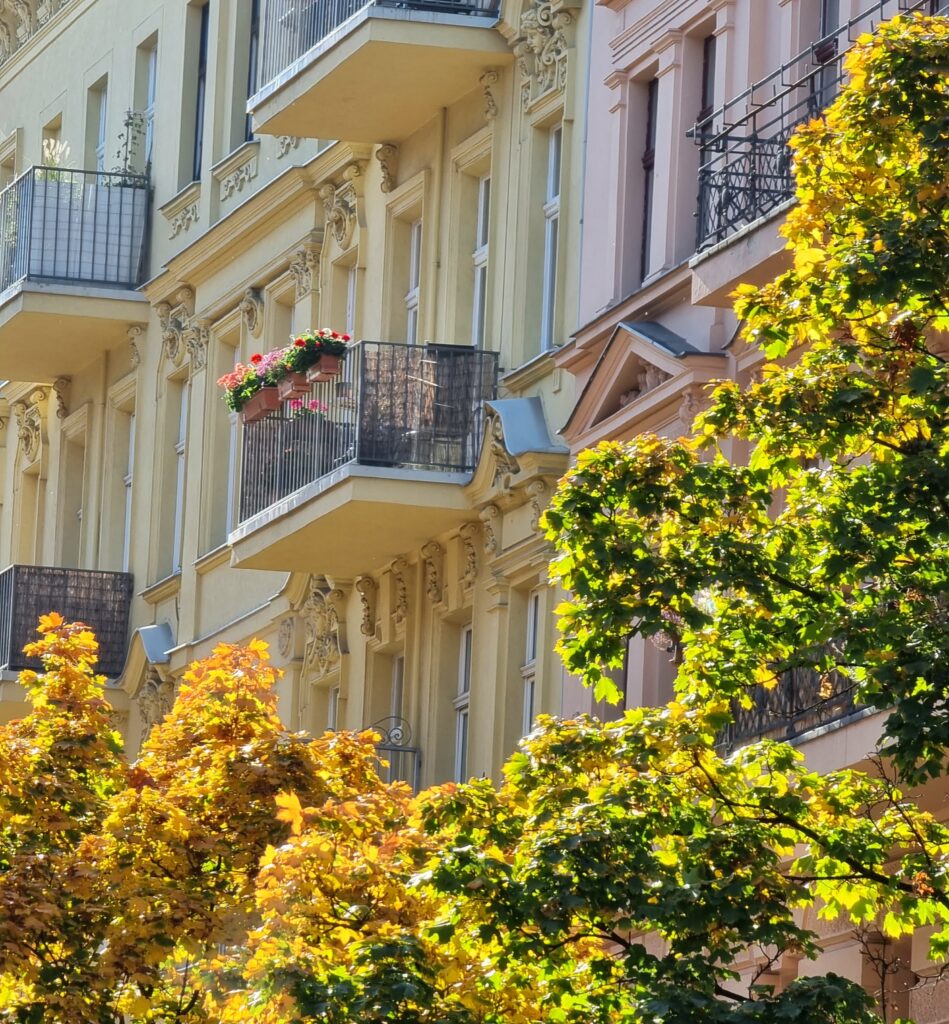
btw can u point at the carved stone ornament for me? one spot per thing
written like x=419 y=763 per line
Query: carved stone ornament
x=339 y=203
x=400 y=582
x=135 y=333
x=238 y=178
x=487 y=80
x=196 y=340
x=175 y=319
x=694 y=400
x=505 y=465
x=648 y=378
x=304 y=270
x=286 y=144
x=30 y=420
x=541 y=49
x=252 y=311
x=20 y=20
x=434 y=557
x=321 y=618
x=183 y=220
x=285 y=637
x=537 y=490
x=61 y=393
x=469 y=538
x=366 y=588
x=388 y=157
x=155 y=700
x=489 y=517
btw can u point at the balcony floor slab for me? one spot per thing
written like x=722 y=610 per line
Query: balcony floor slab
x=379 y=76
x=50 y=330
x=351 y=521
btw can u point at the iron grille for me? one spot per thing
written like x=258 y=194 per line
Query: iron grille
x=291 y=28
x=99 y=599
x=802 y=700
x=745 y=161
x=74 y=227
x=405 y=406
x=400 y=761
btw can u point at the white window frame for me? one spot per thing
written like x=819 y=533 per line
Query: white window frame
x=151 y=87
x=415 y=274
x=233 y=450
x=180 y=455
x=479 y=259
x=127 y=485
x=551 y=236
x=351 y=286
x=397 y=687
x=462 y=703
x=102 y=110
x=529 y=668
x=332 y=709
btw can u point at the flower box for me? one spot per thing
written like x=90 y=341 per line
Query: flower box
x=293 y=385
x=326 y=369
x=260 y=404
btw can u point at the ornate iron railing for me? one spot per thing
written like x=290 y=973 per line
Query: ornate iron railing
x=412 y=406
x=99 y=599
x=802 y=700
x=291 y=28
x=745 y=162
x=400 y=761
x=74 y=227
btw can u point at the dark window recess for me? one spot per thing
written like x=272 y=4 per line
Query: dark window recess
x=200 y=93
x=708 y=78
x=253 y=57
x=649 y=167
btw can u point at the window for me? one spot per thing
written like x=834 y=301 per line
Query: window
x=179 y=453
x=253 y=49
x=351 y=280
x=529 y=668
x=127 y=487
x=649 y=166
x=708 y=78
x=73 y=476
x=200 y=93
x=829 y=17
x=551 y=232
x=397 y=686
x=462 y=704
x=415 y=270
x=332 y=709
x=151 y=84
x=96 y=121
x=479 y=259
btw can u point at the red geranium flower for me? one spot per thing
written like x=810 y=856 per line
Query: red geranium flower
x=346 y=337
x=256 y=358
x=300 y=343
x=335 y=335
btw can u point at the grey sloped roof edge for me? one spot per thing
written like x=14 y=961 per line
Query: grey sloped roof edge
x=525 y=426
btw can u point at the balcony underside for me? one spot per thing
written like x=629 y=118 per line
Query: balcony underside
x=380 y=79
x=351 y=521
x=50 y=330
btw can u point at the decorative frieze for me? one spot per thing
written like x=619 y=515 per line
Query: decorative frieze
x=30 y=422
x=237 y=179
x=400 y=596
x=20 y=20
x=490 y=517
x=304 y=269
x=648 y=379
x=321 y=615
x=286 y=144
x=434 y=559
x=468 y=534
x=183 y=220
x=487 y=81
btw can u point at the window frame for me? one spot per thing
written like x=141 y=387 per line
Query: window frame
x=551 y=211
x=462 y=702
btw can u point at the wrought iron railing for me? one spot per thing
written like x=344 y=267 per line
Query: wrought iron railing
x=75 y=227
x=291 y=28
x=802 y=700
x=745 y=162
x=413 y=406
x=400 y=761
x=99 y=599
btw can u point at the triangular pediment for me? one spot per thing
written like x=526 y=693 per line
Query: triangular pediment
x=640 y=360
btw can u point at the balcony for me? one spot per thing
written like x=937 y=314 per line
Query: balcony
x=369 y=72
x=99 y=599
x=745 y=174
x=801 y=701
x=373 y=470
x=72 y=248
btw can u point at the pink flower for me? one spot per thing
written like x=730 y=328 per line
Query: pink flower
x=315 y=405
x=296 y=404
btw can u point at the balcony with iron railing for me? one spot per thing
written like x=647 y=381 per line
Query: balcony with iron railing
x=745 y=175
x=367 y=465
x=72 y=251
x=369 y=71
x=99 y=599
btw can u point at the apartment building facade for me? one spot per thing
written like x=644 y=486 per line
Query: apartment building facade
x=408 y=174
x=691 y=105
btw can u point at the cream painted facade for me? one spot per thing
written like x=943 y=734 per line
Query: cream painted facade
x=690 y=105
x=399 y=593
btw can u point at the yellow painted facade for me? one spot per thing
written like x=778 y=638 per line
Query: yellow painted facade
x=391 y=591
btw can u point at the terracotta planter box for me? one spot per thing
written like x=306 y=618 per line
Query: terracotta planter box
x=294 y=385
x=326 y=369
x=259 y=405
